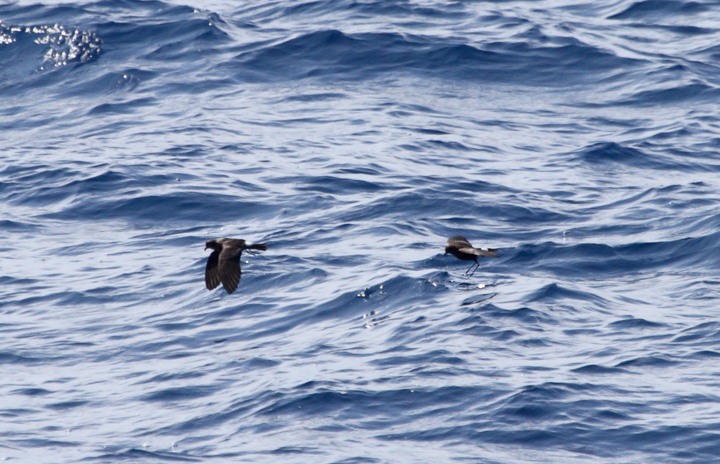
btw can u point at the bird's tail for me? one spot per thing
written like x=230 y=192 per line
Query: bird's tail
x=257 y=246
x=490 y=253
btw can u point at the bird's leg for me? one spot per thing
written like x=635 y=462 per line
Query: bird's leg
x=468 y=269
x=477 y=265
x=476 y=268
x=250 y=252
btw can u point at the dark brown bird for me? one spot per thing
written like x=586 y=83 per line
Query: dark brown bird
x=460 y=248
x=224 y=262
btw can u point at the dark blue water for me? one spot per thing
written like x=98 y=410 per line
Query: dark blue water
x=582 y=139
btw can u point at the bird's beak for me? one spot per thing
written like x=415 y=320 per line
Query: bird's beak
x=205 y=248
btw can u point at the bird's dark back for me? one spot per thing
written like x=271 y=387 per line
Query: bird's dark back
x=231 y=242
x=458 y=241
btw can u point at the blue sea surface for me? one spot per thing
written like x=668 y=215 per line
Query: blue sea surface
x=581 y=139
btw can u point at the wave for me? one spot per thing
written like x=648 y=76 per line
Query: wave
x=332 y=53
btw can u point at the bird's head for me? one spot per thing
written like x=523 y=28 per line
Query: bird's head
x=212 y=243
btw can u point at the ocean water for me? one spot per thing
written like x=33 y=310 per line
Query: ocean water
x=581 y=139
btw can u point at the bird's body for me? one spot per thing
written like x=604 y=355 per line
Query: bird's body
x=223 y=265
x=460 y=248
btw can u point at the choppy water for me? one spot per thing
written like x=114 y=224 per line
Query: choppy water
x=579 y=138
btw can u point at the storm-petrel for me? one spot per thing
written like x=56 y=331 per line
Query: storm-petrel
x=460 y=248
x=224 y=262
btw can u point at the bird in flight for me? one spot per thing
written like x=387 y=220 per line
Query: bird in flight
x=224 y=262
x=460 y=248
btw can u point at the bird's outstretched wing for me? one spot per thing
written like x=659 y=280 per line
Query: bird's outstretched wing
x=478 y=252
x=229 y=265
x=458 y=241
x=212 y=272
